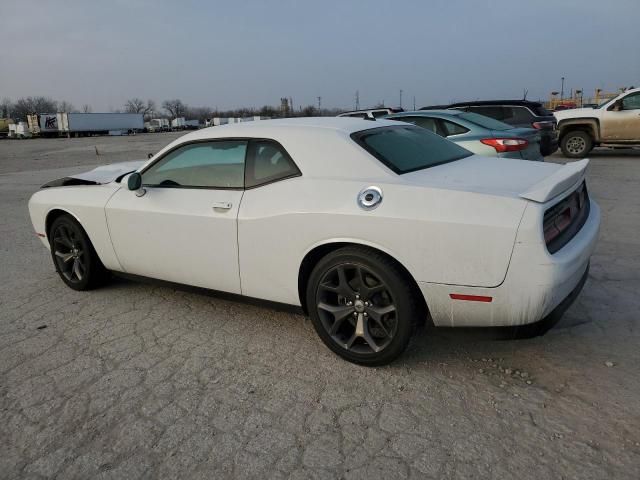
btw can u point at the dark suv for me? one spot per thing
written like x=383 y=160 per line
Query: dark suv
x=518 y=113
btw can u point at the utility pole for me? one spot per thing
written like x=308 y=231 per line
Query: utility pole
x=319 y=103
x=562 y=90
x=414 y=103
x=400 y=98
x=357 y=100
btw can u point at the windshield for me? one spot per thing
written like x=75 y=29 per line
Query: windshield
x=603 y=102
x=485 y=122
x=406 y=149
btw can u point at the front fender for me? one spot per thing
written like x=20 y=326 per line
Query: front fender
x=592 y=124
x=86 y=204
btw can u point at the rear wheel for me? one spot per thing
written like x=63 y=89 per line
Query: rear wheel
x=576 y=144
x=74 y=256
x=362 y=305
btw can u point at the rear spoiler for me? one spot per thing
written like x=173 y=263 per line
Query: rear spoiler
x=558 y=182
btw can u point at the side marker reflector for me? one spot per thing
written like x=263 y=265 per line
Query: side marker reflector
x=40 y=234
x=470 y=298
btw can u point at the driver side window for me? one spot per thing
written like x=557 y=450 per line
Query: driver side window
x=200 y=165
x=631 y=102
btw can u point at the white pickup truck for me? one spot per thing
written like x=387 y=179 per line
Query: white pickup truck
x=615 y=123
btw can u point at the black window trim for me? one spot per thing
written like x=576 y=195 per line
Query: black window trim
x=249 y=141
x=357 y=137
x=443 y=126
x=251 y=158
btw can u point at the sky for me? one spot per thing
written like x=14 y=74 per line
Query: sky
x=244 y=53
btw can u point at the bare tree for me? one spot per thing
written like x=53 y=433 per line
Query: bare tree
x=175 y=107
x=65 y=106
x=134 y=105
x=25 y=106
x=268 y=111
x=149 y=108
x=309 y=111
x=199 y=113
x=6 y=108
x=86 y=108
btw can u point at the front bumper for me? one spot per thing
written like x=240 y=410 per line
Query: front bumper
x=536 y=285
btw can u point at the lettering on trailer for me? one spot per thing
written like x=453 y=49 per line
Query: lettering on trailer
x=50 y=123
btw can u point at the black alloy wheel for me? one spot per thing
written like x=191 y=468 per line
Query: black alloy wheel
x=363 y=305
x=73 y=255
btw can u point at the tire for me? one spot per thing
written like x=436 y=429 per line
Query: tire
x=362 y=305
x=576 y=144
x=73 y=255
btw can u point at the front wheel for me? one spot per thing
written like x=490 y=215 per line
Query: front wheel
x=73 y=255
x=362 y=305
x=576 y=144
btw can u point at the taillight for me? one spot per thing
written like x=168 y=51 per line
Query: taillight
x=562 y=221
x=556 y=225
x=541 y=125
x=506 y=144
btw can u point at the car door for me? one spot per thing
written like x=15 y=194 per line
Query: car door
x=184 y=227
x=621 y=120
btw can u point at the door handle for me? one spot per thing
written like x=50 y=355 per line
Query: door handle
x=222 y=205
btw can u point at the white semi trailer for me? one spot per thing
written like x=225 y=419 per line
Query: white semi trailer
x=79 y=124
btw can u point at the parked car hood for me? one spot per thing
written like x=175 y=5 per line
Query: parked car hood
x=109 y=173
x=575 y=113
x=98 y=176
x=536 y=181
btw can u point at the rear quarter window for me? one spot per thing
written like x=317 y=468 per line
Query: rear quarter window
x=407 y=149
x=517 y=115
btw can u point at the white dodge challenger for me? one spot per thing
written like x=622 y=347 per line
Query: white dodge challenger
x=370 y=226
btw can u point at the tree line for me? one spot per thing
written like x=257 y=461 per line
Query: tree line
x=173 y=108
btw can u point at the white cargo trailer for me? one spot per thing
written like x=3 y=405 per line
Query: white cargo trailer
x=178 y=123
x=85 y=123
x=158 y=125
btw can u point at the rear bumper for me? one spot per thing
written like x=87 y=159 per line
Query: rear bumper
x=549 y=143
x=537 y=285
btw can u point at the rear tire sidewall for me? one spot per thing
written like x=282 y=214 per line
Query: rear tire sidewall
x=588 y=144
x=397 y=285
x=94 y=271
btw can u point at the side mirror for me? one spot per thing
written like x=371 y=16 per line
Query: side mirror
x=617 y=105
x=134 y=183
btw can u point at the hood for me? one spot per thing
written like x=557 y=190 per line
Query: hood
x=575 y=113
x=98 y=176
x=109 y=173
x=535 y=181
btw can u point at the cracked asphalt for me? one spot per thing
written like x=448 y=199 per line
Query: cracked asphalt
x=145 y=381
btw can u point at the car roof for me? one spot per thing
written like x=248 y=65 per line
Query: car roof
x=426 y=113
x=317 y=144
x=521 y=103
x=259 y=128
x=371 y=110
